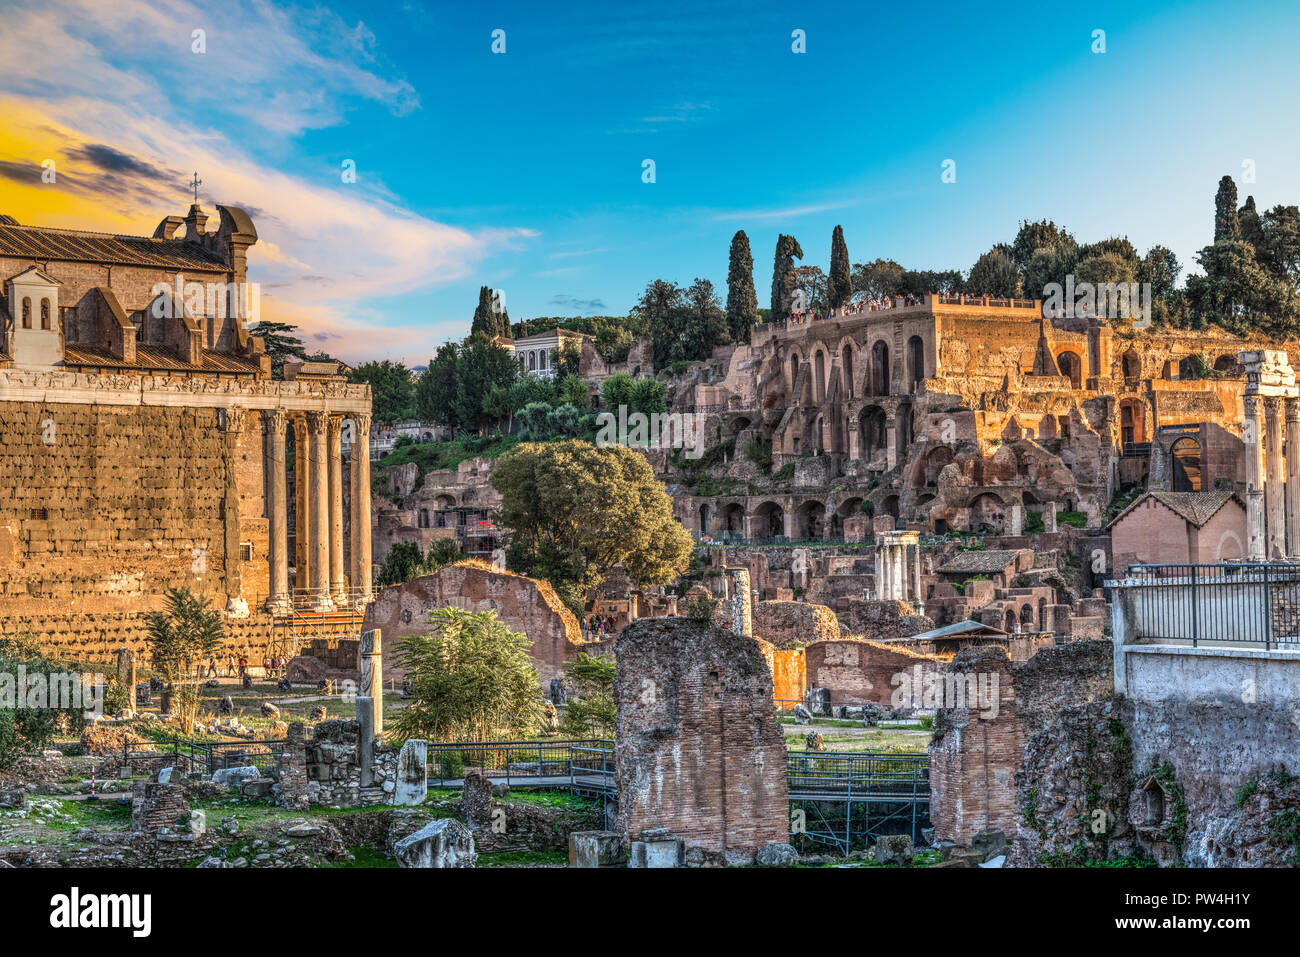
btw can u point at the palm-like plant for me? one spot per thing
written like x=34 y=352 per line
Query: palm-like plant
x=187 y=630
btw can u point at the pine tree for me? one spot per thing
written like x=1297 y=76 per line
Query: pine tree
x=784 y=278
x=1226 y=224
x=840 y=284
x=742 y=300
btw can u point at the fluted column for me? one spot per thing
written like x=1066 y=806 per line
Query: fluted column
x=319 y=482
x=302 y=505
x=274 y=423
x=1250 y=437
x=1292 y=477
x=338 y=584
x=361 y=559
x=1274 y=488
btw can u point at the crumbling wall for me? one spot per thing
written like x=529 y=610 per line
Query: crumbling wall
x=976 y=750
x=698 y=750
x=794 y=622
x=523 y=604
x=856 y=671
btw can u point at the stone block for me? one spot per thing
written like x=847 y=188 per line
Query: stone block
x=596 y=849
x=442 y=843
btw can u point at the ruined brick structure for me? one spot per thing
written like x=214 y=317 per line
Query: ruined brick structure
x=524 y=604
x=145 y=441
x=698 y=751
x=947 y=414
x=976 y=751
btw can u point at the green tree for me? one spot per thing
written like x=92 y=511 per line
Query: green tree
x=187 y=630
x=575 y=511
x=742 y=301
x=880 y=279
x=840 y=283
x=994 y=274
x=784 y=278
x=590 y=711
x=1032 y=237
x=280 y=343
x=485 y=318
x=393 y=388
x=816 y=290
x=470 y=679
x=436 y=389
x=1226 y=224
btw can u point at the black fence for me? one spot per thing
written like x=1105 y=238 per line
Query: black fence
x=205 y=757
x=584 y=763
x=1254 y=603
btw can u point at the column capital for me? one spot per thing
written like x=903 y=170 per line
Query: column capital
x=363 y=422
x=317 y=421
x=1251 y=402
x=274 y=421
x=1292 y=404
x=334 y=425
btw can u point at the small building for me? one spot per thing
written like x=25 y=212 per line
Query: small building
x=1161 y=528
x=538 y=353
x=999 y=565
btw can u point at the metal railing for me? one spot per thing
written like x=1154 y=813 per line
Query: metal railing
x=206 y=757
x=859 y=776
x=1254 y=603
x=535 y=763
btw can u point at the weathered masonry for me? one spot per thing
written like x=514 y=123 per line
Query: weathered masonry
x=145 y=445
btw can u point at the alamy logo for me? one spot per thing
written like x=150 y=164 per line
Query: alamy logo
x=75 y=910
x=658 y=430
x=53 y=690
x=218 y=299
x=1108 y=300
x=922 y=688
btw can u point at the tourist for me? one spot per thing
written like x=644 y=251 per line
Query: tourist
x=212 y=667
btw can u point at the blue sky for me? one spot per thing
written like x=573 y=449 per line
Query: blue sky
x=522 y=170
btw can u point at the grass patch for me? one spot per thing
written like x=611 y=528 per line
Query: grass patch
x=523 y=859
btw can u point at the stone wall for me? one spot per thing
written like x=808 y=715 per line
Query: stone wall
x=976 y=752
x=794 y=622
x=326 y=768
x=525 y=605
x=856 y=671
x=698 y=750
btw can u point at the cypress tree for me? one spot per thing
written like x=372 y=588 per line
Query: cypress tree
x=1226 y=225
x=840 y=280
x=784 y=278
x=742 y=300
x=485 y=319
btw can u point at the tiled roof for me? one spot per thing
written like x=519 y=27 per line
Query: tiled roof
x=68 y=245
x=990 y=560
x=957 y=629
x=156 y=357
x=1196 y=507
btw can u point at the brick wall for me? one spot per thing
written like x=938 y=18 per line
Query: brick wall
x=861 y=672
x=788 y=622
x=975 y=755
x=698 y=749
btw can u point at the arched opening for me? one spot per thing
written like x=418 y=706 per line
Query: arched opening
x=988 y=512
x=871 y=432
x=1027 y=617
x=1228 y=365
x=1132 y=366
x=1042 y=615
x=1009 y=623
x=794 y=376
x=903 y=430
x=1071 y=367
x=704 y=519
x=45 y=314
x=740 y=425
x=817 y=435
x=819 y=377
x=1186 y=457
x=889 y=506
x=810 y=521
x=935 y=460
x=848 y=370
x=532 y=362
x=27 y=312
x=1132 y=427
x=1187 y=368
x=880 y=368
x=733 y=517
x=769 y=520
x=915 y=362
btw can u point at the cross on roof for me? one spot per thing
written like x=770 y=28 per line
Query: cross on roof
x=195 y=184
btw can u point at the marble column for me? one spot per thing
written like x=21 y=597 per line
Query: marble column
x=274 y=422
x=900 y=573
x=1292 y=476
x=1274 y=489
x=1250 y=436
x=918 y=594
x=361 y=557
x=320 y=542
x=882 y=571
x=302 y=505
x=334 y=435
